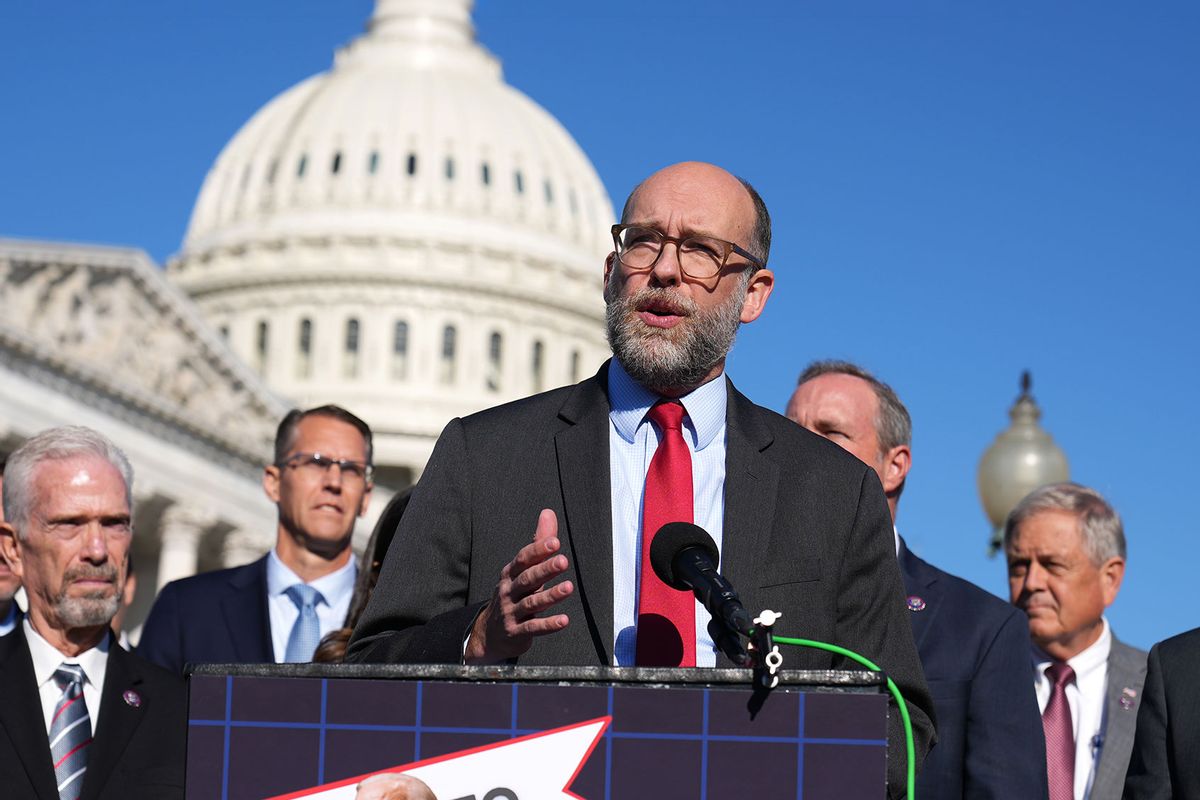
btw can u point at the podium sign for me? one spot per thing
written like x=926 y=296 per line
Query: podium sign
x=527 y=733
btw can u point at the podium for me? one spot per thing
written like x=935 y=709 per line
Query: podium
x=534 y=733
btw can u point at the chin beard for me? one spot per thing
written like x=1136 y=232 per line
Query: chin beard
x=681 y=357
x=89 y=610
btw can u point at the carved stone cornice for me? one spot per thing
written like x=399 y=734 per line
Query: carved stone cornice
x=102 y=323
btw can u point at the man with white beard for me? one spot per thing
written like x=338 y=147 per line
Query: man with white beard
x=79 y=716
x=591 y=472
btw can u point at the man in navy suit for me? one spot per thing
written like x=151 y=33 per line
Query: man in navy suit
x=277 y=608
x=974 y=647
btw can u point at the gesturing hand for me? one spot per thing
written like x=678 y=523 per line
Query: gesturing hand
x=505 y=627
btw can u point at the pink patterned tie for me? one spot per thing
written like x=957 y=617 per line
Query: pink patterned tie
x=1060 y=738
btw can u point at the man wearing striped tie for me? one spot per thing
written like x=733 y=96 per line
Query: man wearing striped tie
x=79 y=716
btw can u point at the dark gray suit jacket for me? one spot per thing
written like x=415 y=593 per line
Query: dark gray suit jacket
x=807 y=532
x=137 y=752
x=1164 y=764
x=1126 y=674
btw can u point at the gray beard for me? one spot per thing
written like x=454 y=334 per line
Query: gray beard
x=86 y=612
x=681 y=357
x=90 y=610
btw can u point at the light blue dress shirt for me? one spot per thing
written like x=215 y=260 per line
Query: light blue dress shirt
x=336 y=588
x=632 y=440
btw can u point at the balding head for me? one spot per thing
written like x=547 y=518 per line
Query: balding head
x=671 y=326
x=709 y=177
x=393 y=786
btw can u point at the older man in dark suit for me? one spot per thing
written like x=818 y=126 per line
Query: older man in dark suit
x=1065 y=547
x=593 y=470
x=79 y=716
x=1163 y=765
x=974 y=647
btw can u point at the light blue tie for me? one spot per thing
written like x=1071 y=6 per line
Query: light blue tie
x=306 y=631
x=70 y=732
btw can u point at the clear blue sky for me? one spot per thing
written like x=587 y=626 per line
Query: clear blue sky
x=961 y=191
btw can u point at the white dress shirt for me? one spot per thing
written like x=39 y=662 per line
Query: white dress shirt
x=46 y=659
x=1086 y=698
x=335 y=588
x=632 y=441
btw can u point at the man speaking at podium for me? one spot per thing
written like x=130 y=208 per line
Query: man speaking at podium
x=573 y=484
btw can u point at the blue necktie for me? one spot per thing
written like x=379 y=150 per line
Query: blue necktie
x=70 y=732
x=306 y=631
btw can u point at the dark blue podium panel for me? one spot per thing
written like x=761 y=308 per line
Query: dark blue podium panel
x=295 y=731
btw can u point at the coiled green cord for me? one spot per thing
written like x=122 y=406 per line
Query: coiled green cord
x=909 y=748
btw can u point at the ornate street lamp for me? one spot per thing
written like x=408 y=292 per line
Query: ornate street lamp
x=1022 y=458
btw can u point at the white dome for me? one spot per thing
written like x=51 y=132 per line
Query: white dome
x=412 y=131
x=404 y=235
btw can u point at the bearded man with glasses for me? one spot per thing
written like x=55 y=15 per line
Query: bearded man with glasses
x=525 y=540
x=277 y=608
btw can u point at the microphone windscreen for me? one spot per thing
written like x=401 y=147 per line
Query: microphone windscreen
x=670 y=540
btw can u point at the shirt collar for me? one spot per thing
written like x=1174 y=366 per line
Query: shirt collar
x=629 y=402
x=332 y=586
x=1084 y=662
x=46 y=658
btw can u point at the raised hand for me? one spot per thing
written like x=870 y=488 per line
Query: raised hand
x=506 y=627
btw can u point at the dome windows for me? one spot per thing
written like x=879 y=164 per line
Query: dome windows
x=350 y=364
x=262 y=340
x=449 y=168
x=400 y=350
x=536 y=364
x=449 y=346
x=495 y=361
x=373 y=162
x=301 y=166
x=271 y=170
x=304 y=354
x=549 y=192
x=519 y=182
x=485 y=174
x=336 y=165
x=411 y=166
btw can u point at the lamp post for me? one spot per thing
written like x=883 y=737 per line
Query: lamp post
x=1022 y=458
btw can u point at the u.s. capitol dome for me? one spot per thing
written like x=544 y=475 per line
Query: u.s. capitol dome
x=405 y=235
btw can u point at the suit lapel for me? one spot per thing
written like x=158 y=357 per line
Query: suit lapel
x=246 y=615
x=751 y=483
x=583 y=472
x=122 y=708
x=21 y=713
x=1126 y=673
x=924 y=593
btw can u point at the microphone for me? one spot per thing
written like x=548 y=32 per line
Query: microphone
x=685 y=557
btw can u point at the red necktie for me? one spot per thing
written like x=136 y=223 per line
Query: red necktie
x=666 y=621
x=1060 y=738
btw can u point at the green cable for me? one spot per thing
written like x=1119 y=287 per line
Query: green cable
x=909 y=748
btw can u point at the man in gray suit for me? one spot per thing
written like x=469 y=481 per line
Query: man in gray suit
x=1065 y=548
x=589 y=472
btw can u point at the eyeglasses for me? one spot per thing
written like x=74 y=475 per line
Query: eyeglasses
x=317 y=464
x=639 y=249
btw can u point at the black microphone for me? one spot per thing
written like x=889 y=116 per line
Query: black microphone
x=684 y=557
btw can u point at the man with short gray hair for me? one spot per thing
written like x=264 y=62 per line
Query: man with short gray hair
x=1065 y=548
x=66 y=535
